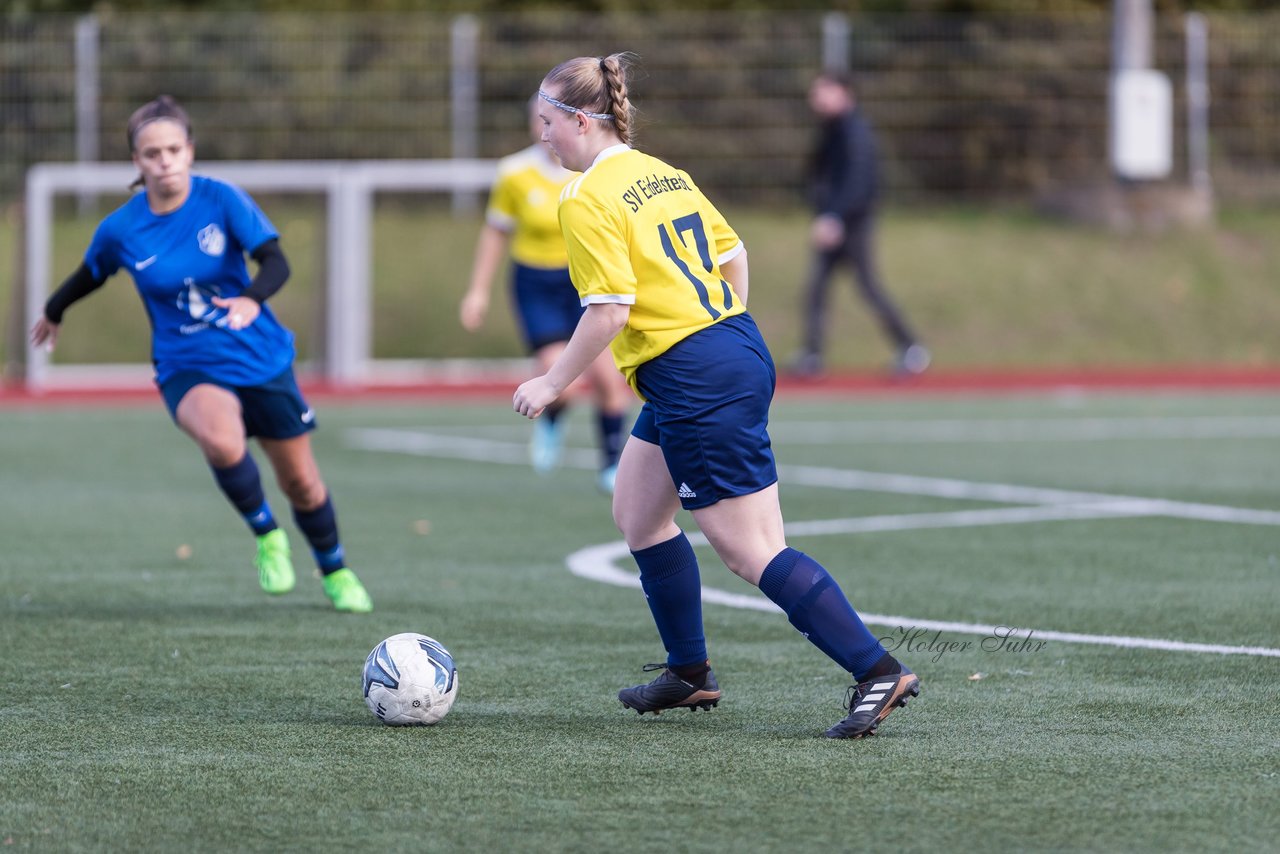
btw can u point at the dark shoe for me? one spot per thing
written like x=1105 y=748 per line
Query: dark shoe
x=669 y=691
x=805 y=364
x=871 y=702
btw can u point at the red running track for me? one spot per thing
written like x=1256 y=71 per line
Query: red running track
x=1199 y=379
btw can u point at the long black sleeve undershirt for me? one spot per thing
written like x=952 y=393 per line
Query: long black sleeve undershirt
x=78 y=285
x=273 y=272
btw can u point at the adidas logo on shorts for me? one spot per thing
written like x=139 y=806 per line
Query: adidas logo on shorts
x=685 y=492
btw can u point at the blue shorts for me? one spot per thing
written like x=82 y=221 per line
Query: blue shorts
x=707 y=407
x=273 y=410
x=547 y=305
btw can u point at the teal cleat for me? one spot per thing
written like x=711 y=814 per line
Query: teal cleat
x=275 y=570
x=546 y=447
x=347 y=593
x=607 y=479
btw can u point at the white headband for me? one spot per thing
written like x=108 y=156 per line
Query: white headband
x=568 y=109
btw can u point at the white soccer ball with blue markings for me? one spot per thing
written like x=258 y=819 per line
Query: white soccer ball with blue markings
x=410 y=680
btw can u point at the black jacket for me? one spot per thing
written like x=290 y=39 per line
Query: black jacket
x=842 y=169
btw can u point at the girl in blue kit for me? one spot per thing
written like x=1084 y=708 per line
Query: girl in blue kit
x=224 y=364
x=664 y=280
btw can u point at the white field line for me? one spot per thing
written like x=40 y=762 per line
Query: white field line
x=511 y=453
x=597 y=563
x=966 y=518
x=982 y=430
x=907 y=431
x=442 y=446
x=1005 y=493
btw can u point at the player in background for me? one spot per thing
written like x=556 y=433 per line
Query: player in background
x=664 y=279
x=843 y=188
x=224 y=364
x=522 y=213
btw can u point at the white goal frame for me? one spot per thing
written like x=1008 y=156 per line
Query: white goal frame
x=348 y=187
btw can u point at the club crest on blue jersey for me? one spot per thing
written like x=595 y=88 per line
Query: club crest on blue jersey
x=212 y=241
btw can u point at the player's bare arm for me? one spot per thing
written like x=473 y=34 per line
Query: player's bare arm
x=735 y=273
x=599 y=325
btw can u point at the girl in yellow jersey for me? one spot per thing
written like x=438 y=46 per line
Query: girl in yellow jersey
x=522 y=213
x=664 y=280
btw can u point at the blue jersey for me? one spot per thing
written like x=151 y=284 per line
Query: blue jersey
x=180 y=261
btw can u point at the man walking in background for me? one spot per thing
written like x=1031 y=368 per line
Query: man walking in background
x=842 y=184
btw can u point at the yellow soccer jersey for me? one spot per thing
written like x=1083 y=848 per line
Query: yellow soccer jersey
x=639 y=232
x=523 y=203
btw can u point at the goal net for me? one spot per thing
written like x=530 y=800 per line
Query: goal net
x=348 y=189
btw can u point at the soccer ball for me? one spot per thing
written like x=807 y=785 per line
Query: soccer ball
x=410 y=680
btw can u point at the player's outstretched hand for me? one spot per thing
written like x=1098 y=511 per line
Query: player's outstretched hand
x=241 y=311
x=827 y=232
x=45 y=333
x=534 y=396
x=475 y=306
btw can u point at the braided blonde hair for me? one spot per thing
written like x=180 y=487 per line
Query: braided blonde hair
x=597 y=84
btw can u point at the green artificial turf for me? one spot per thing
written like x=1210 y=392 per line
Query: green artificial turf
x=150 y=702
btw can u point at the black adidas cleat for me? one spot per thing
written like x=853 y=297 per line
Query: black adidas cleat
x=871 y=702
x=669 y=691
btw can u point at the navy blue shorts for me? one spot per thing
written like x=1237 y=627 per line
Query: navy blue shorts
x=707 y=407
x=273 y=410
x=547 y=305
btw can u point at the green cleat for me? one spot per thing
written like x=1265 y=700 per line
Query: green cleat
x=275 y=570
x=346 y=591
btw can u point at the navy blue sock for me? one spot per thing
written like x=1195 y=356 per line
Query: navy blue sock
x=817 y=606
x=552 y=412
x=610 y=438
x=321 y=529
x=242 y=485
x=673 y=586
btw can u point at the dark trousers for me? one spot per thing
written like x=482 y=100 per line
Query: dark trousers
x=858 y=251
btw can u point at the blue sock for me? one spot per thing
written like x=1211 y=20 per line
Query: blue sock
x=669 y=576
x=243 y=487
x=610 y=438
x=321 y=529
x=817 y=606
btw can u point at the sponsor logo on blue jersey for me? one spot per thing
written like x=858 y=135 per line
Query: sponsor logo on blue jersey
x=197 y=301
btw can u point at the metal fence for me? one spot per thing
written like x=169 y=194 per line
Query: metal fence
x=966 y=107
